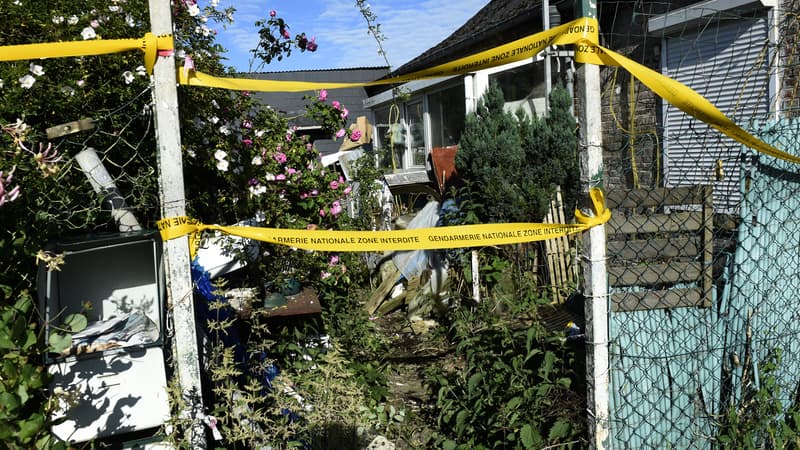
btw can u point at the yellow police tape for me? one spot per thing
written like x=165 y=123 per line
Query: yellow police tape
x=460 y=236
x=150 y=44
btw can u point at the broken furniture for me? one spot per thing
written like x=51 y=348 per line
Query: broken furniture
x=659 y=248
x=115 y=370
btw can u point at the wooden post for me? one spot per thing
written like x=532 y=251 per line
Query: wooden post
x=595 y=287
x=173 y=203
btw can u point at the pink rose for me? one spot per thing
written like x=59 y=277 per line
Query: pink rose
x=303 y=196
x=247 y=142
x=312 y=44
x=336 y=208
x=280 y=157
x=323 y=94
x=334 y=259
x=336 y=104
x=272 y=13
x=347 y=190
x=340 y=133
x=314 y=192
x=334 y=184
x=345 y=113
x=286 y=34
x=290 y=171
x=280 y=177
x=355 y=135
x=322 y=212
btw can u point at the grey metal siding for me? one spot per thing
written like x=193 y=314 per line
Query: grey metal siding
x=726 y=62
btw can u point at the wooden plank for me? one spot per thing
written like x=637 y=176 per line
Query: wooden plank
x=662 y=299
x=655 y=223
x=550 y=250
x=655 y=274
x=708 y=239
x=304 y=302
x=650 y=198
x=648 y=249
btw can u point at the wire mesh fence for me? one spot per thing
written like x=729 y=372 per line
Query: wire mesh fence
x=702 y=248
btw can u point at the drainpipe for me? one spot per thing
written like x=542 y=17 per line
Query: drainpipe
x=548 y=76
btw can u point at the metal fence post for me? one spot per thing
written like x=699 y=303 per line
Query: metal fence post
x=173 y=203
x=594 y=250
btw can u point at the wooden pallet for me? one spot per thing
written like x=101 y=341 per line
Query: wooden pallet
x=659 y=247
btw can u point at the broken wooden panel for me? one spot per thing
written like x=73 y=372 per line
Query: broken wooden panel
x=655 y=274
x=658 y=299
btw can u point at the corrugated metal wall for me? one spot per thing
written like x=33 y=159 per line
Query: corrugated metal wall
x=726 y=63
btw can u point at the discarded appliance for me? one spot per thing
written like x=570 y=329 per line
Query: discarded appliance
x=114 y=372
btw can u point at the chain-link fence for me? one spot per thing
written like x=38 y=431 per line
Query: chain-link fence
x=702 y=249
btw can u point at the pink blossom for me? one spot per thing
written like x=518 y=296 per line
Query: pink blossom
x=280 y=177
x=303 y=196
x=247 y=142
x=247 y=124
x=272 y=13
x=334 y=184
x=6 y=195
x=280 y=157
x=322 y=212
x=347 y=190
x=355 y=135
x=312 y=44
x=340 y=133
x=323 y=94
x=336 y=104
x=334 y=259
x=286 y=34
x=345 y=113
x=336 y=208
x=309 y=146
x=291 y=171
x=324 y=275
x=341 y=180
x=314 y=193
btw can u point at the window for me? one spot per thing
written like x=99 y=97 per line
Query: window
x=523 y=88
x=416 y=135
x=447 y=111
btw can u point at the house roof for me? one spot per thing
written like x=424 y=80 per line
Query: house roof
x=499 y=22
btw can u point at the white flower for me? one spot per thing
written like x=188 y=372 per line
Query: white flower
x=80 y=83
x=194 y=10
x=1 y=83
x=88 y=33
x=225 y=130
x=27 y=81
x=214 y=104
x=191 y=153
x=36 y=69
x=141 y=71
x=127 y=76
x=269 y=177
x=113 y=8
x=204 y=30
x=204 y=19
x=68 y=90
x=260 y=133
x=180 y=54
x=72 y=20
x=58 y=19
x=258 y=189
x=214 y=3
x=214 y=119
x=257 y=160
x=222 y=165
x=94 y=23
x=220 y=155
x=129 y=21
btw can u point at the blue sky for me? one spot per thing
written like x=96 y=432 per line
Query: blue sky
x=409 y=26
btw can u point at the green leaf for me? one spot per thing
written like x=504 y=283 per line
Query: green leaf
x=473 y=381
x=559 y=430
x=59 y=342
x=29 y=428
x=528 y=436
x=449 y=445
x=75 y=322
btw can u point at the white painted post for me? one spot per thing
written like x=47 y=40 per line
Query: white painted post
x=173 y=203
x=594 y=251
